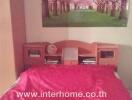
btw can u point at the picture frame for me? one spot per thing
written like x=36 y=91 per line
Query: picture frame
x=85 y=13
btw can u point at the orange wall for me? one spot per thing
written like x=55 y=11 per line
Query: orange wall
x=19 y=32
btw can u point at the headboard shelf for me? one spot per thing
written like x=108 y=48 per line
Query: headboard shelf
x=100 y=53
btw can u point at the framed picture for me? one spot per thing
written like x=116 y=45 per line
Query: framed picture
x=84 y=13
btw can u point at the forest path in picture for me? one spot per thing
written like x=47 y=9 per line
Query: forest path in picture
x=84 y=13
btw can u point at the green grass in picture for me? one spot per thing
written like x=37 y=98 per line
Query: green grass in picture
x=83 y=18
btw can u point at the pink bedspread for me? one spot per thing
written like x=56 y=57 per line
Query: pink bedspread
x=66 y=79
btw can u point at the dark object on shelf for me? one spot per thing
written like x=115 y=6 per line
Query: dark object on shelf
x=106 y=54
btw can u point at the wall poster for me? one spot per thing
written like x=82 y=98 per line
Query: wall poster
x=84 y=13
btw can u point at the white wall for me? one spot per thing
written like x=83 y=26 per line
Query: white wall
x=117 y=35
x=7 y=65
x=122 y=36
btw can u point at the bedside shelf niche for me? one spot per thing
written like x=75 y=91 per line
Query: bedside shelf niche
x=34 y=54
x=108 y=54
x=53 y=59
x=87 y=59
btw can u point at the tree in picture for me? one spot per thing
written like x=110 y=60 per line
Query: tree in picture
x=84 y=13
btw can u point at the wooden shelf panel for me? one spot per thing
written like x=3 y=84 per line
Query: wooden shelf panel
x=89 y=51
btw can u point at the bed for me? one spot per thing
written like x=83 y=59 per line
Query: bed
x=71 y=79
x=68 y=78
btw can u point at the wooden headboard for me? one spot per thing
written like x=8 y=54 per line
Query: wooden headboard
x=102 y=53
x=83 y=47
